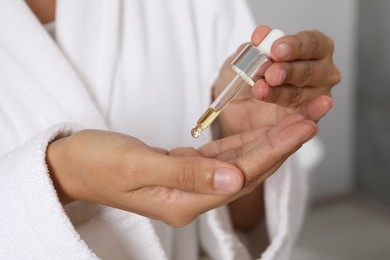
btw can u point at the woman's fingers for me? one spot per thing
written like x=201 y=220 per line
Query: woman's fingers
x=304 y=45
x=193 y=174
x=232 y=154
x=186 y=169
x=272 y=148
x=302 y=73
x=287 y=95
x=303 y=70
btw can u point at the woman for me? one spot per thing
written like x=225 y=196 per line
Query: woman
x=147 y=69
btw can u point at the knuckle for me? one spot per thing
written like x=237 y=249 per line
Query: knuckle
x=296 y=97
x=185 y=177
x=194 y=177
x=314 y=43
x=336 y=78
x=220 y=144
x=307 y=75
x=297 y=46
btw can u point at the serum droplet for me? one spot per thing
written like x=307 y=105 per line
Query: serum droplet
x=195 y=132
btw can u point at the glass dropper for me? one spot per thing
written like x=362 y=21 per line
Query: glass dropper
x=251 y=63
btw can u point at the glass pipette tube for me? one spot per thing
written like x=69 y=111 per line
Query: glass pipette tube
x=218 y=105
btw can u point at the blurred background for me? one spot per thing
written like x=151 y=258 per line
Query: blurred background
x=349 y=210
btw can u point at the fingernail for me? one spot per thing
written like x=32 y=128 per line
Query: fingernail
x=283 y=50
x=226 y=181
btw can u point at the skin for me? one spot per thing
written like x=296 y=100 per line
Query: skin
x=260 y=129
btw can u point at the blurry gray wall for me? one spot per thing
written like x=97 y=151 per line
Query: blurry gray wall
x=334 y=174
x=373 y=104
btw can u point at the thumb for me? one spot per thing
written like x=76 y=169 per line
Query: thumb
x=193 y=174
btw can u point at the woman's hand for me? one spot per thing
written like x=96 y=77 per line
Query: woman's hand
x=172 y=186
x=299 y=81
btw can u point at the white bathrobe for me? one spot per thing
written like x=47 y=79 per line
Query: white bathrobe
x=141 y=67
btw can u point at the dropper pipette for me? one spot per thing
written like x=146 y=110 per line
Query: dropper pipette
x=250 y=63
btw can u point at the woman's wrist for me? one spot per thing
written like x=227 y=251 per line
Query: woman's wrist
x=56 y=160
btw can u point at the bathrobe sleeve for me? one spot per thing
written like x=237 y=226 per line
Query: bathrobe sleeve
x=39 y=90
x=33 y=222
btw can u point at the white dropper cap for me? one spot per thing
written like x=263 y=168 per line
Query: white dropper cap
x=266 y=45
